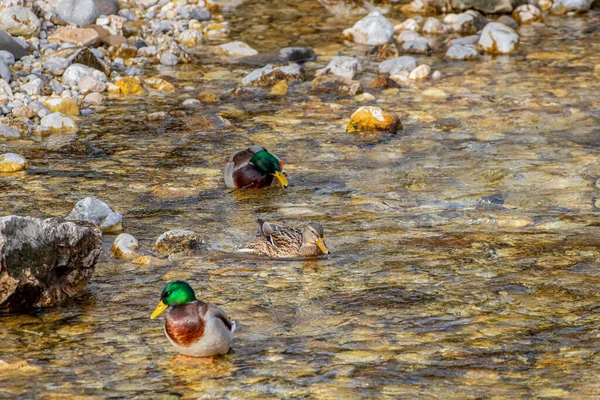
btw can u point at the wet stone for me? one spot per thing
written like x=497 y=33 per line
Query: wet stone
x=459 y=52
x=9 y=132
x=419 y=73
x=407 y=63
x=497 y=38
x=327 y=84
x=527 y=14
x=208 y=98
x=125 y=246
x=57 y=122
x=237 y=49
x=271 y=74
x=279 y=89
x=177 y=241
x=343 y=66
x=369 y=119
x=11 y=162
x=373 y=29
x=416 y=46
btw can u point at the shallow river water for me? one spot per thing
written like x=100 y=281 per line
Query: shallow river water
x=465 y=259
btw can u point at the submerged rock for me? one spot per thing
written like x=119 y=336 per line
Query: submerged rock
x=279 y=89
x=12 y=162
x=369 y=119
x=460 y=52
x=327 y=84
x=45 y=262
x=527 y=14
x=498 y=38
x=270 y=74
x=125 y=246
x=373 y=29
x=177 y=241
x=344 y=66
x=407 y=63
x=130 y=85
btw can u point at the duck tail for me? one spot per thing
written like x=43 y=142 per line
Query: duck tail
x=233 y=326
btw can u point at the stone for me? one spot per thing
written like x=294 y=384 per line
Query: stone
x=561 y=7
x=114 y=40
x=45 y=262
x=157 y=116
x=89 y=58
x=327 y=84
x=177 y=241
x=208 y=122
x=147 y=51
x=416 y=6
x=75 y=72
x=62 y=105
x=527 y=14
x=58 y=123
x=369 y=119
x=56 y=65
x=84 y=12
x=123 y=51
x=97 y=212
x=544 y=5
x=191 y=102
x=10 y=45
x=159 y=84
x=468 y=23
x=129 y=85
x=5 y=72
x=383 y=82
x=497 y=38
x=279 y=89
x=459 y=52
x=19 y=21
x=190 y=38
x=434 y=26
x=416 y=46
x=344 y=66
x=373 y=29
x=23 y=112
x=89 y=84
x=94 y=97
x=33 y=88
x=7 y=57
x=112 y=223
x=420 y=73
x=12 y=162
x=208 y=98
x=485 y=6
x=78 y=36
x=406 y=36
x=169 y=59
x=407 y=63
x=409 y=25
x=464 y=41
x=436 y=76
x=9 y=132
x=297 y=54
x=237 y=49
x=5 y=89
x=125 y=246
x=270 y=74
x=508 y=21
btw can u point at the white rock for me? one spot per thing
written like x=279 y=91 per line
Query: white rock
x=112 y=223
x=498 y=38
x=291 y=71
x=565 y=6
x=191 y=102
x=94 y=97
x=58 y=122
x=421 y=72
x=9 y=132
x=125 y=246
x=544 y=4
x=19 y=21
x=90 y=209
x=406 y=36
x=407 y=63
x=5 y=89
x=459 y=52
x=75 y=72
x=373 y=29
x=56 y=65
x=11 y=162
x=237 y=49
x=89 y=84
x=409 y=25
x=147 y=51
x=527 y=14
x=169 y=59
x=434 y=26
x=7 y=57
x=78 y=12
x=416 y=46
x=344 y=66
x=473 y=39
x=436 y=76
x=190 y=38
x=400 y=76
x=33 y=88
x=5 y=71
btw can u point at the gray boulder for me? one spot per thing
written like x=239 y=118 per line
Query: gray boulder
x=7 y=43
x=84 y=12
x=45 y=262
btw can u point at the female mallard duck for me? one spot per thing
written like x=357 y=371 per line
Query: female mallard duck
x=254 y=167
x=193 y=327
x=284 y=242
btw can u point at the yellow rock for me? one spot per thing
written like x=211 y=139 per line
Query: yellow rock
x=279 y=89
x=11 y=162
x=369 y=119
x=159 y=84
x=62 y=105
x=208 y=97
x=130 y=86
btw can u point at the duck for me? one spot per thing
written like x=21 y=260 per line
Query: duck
x=254 y=167
x=194 y=328
x=278 y=241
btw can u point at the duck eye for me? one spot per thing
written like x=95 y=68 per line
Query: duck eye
x=284 y=173
x=168 y=294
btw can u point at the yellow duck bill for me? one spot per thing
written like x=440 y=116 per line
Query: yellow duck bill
x=160 y=308
x=321 y=244
x=281 y=178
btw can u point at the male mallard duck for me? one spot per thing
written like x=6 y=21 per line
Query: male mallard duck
x=254 y=167
x=284 y=242
x=195 y=328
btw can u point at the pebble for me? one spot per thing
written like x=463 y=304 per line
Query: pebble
x=374 y=29
x=33 y=88
x=409 y=25
x=407 y=63
x=434 y=26
x=237 y=49
x=89 y=84
x=9 y=132
x=129 y=85
x=177 y=241
x=157 y=116
x=7 y=57
x=279 y=89
x=56 y=65
x=562 y=7
x=419 y=73
x=75 y=72
x=12 y=162
x=169 y=59
x=58 y=122
x=269 y=74
x=94 y=97
x=460 y=52
x=498 y=38
x=416 y=46
x=19 y=21
x=369 y=119
x=78 y=36
x=208 y=98
x=63 y=105
x=5 y=71
x=125 y=246
x=191 y=102
x=112 y=223
x=344 y=66
x=92 y=210
x=527 y=14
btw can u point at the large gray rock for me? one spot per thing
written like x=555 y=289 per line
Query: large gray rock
x=97 y=212
x=75 y=72
x=9 y=44
x=373 y=29
x=45 y=262
x=84 y=12
x=344 y=66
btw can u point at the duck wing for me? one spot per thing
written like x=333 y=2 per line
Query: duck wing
x=217 y=312
x=279 y=235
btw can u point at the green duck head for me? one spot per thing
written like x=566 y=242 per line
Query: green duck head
x=176 y=293
x=268 y=164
